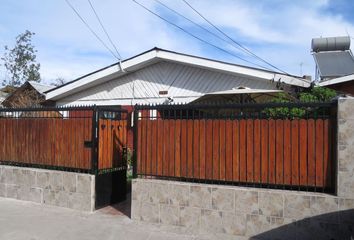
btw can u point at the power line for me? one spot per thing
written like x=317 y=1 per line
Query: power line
x=91 y=30
x=104 y=29
x=194 y=36
x=203 y=28
x=223 y=33
x=190 y=20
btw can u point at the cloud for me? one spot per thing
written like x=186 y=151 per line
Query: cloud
x=279 y=31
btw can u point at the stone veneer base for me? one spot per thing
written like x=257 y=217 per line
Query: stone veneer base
x=64 y=189
x=241 y=211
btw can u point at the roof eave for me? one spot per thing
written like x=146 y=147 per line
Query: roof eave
x=137 y=62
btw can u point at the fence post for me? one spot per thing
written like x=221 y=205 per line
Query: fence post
x=94 y=152
x=135 y=141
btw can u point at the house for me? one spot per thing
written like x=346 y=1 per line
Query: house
x=28 y=94
x=162 y=76
x=334 y=63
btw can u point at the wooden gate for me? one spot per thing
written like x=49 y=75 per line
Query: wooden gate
x=112 y=139
x=111 y=133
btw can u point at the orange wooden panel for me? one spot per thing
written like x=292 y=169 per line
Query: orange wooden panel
x=195 y=147
x=287 y=152
x=160 y=146
x=235 y=151
x=148 y=147
x=311 y=161
x=222 y=149
x=272 y=153
x=209 y=149
x=190 y=148
x=138 y=147
x=215 y=147
x=177 y=141
x=257 y=151
x=243 y=150
x=154 y=143
x=166 y=142
x=171 y=158
x=319 y=152
x=279 y=151
x=249 y=151
x=202 y=148
x=184 y=148
x=264 y=151
x=295 y=163
x=143 y=145
x=303 y=151
x=327 y=140
x=228 y=150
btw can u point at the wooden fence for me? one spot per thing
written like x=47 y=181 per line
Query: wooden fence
x=48 y=141
x=274 y=152
x=62 y=138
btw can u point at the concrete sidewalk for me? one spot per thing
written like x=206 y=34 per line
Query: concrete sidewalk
x=29 y=221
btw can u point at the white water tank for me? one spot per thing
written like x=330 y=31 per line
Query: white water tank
x=330 y=44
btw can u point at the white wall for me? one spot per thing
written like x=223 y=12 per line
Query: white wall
x=184 y=83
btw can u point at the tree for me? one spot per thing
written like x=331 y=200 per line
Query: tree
x=20 y=61
x=59 y=81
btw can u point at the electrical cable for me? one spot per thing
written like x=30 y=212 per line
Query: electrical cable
x=104 y=29
x=240 y=45
x=196 y=37
x=91 y=30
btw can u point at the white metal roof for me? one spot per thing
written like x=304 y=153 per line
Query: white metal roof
x=41 y=88
x=157 y=55
x=336 y=80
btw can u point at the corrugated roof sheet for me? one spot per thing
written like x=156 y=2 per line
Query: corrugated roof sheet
x=334 y=63
x=41 y=88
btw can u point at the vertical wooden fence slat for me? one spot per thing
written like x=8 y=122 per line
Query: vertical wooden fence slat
x=215 y=146
x=303 y=152
x=327 y=171
x=287 y=152
x=166 y=138
x=257 y=150
x=171 y=143
x=319 y=153
x=264 y=151
x=184 y=161
x=202 y=148
x=235 y=151
x=177 y=148
x=243 y=150
x=190 y=148
x=138 y=147
x=271 y=151
x=295 y=156
x=311 y=161
x=195 y=146
x=160 y=145
x=279 y=152
x=249 y=151
x=209 y=149
x=153 y=147
x=222 y=157
x=228 y=150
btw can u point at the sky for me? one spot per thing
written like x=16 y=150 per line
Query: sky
x=278 y=31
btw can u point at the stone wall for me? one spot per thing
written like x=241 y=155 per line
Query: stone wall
x=243 y=212
x=254 y=212
x=345 y=177
x=64 y=189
